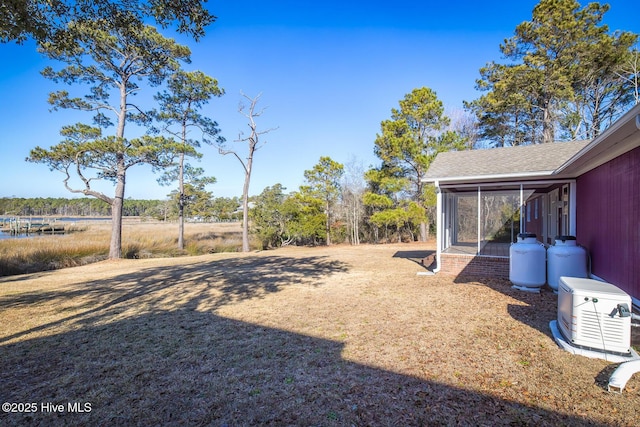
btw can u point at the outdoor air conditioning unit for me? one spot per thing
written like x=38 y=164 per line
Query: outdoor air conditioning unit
x=594 y=314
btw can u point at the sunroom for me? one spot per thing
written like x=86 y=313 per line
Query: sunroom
x=485 y=198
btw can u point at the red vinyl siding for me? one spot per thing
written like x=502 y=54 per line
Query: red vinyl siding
x=608 y=220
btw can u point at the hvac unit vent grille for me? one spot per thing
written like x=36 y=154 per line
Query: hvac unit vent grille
x=596 y=326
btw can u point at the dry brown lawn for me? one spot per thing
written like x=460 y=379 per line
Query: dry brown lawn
x=296 y=336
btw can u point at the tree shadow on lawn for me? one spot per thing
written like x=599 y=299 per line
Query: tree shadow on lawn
x=211 y=284
x=185 y=367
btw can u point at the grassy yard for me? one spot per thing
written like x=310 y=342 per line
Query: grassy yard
x=297 y=336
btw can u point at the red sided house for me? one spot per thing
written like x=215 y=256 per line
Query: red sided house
x=586 y=189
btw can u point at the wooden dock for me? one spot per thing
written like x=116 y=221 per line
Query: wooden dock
x=17 y=226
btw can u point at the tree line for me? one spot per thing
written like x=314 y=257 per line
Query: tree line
x=566 y=76
x=211 y=209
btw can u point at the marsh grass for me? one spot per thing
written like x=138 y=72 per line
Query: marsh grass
x=86 y=244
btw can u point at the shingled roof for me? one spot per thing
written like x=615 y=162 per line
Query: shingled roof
x=541 y=159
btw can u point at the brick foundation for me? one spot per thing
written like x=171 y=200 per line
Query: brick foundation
x=473 y=265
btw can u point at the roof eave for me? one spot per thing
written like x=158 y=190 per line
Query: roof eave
x=494 y=178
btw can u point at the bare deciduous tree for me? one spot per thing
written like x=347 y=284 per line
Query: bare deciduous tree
x=253 y=144
x=631 y=73
x=353 y=188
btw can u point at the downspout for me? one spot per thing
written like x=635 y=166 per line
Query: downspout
x=522 y=222
x=572 y=208
x=622 y=374
x=479 y=248
x=439 y=225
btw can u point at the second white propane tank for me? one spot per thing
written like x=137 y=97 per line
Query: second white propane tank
x=565 y=258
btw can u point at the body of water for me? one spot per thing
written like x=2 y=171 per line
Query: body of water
x=14 y=236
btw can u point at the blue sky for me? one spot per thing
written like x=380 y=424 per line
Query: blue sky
x=329 y=73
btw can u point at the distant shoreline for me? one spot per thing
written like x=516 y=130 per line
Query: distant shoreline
x=64 y=218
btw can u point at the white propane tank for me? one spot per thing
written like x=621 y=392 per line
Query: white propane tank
x=565 y=258
x=527 y=259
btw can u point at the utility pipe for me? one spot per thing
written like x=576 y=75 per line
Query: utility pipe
x=479 y=222
x=622 y=375
x=439 y=225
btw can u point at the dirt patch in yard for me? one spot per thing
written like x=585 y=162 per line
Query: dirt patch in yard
x=297 y=336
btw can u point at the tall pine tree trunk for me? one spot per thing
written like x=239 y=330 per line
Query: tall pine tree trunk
x=424 y=231
x=117 y=205
x=548 y=134
x=181 y=203
x=328 y=224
